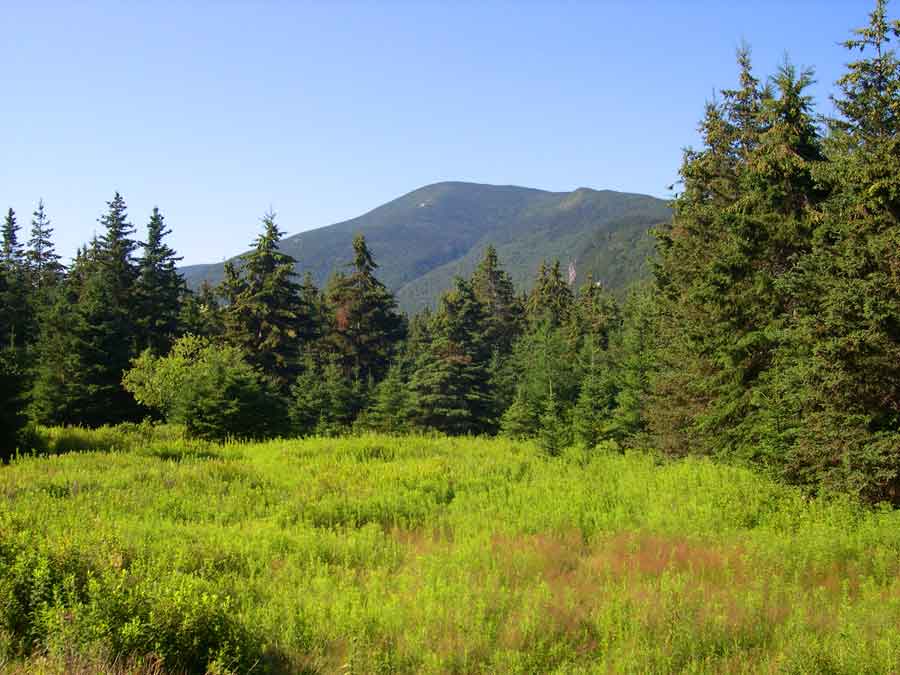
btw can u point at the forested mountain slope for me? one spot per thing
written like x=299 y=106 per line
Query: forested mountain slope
x=422 y=239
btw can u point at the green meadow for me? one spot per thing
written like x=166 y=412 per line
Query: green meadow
x=137 y=551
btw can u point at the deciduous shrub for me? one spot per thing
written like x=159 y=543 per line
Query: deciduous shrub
x=210 y=389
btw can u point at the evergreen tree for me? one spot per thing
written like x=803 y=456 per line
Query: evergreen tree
x=838 y=388
x=265 y=314
x=43 y=262
x=366 y=327
x=550 y=299
x=12 y=403
x=451 y=380
x=522 y=418
x=391 y=407
x=595 y=314
x=15 y=306
x=503 y=313
x=325 y=401
x=553 y=434
x=60 y=395
x=159 y=289
x=200 y=312
x=596 y=397
x=116 y=255
x=634 y=358
x=12 y=253
x=738 y=229
x=88 y=333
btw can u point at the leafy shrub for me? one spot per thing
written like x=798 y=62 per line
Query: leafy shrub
x=60 y=602
x=210 y=389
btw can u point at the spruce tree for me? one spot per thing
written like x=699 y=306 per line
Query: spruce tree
x=88 y=334
x=451 y=381
x=550 y=299
x=43 y=261
x=12 y=402
x=839 y=385
x=265 y=315
x=522 y=418
x=15 y=296
x=366 y=327
x=12 y=253
x=739 y=228
x=159 y=289
x=201 y=313
x=391 y=407
x=60 y=394
x=503 y=313
x=596 y=396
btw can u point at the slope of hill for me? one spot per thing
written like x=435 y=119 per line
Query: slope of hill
x=424 y=238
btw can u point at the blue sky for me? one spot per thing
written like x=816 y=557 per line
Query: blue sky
x=217 y=111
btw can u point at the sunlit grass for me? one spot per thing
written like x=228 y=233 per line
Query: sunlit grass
x=421 y=554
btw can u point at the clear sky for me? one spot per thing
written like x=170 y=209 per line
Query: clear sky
x=216 y=111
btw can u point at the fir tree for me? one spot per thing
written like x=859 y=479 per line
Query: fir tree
x=159 y=289
x=12 y=253
x=15 y=297
x=200 y=312
x=12 y=403
x=391 y=407
x=550 y=299
x=265 y=314
x=837 y=387
x=596 y=397
x=522 y=418
x=503 y=313
x=366 y=327
x=43 y=262
x=450 y=383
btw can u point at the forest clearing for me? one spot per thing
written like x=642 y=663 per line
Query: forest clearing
x=142 y=552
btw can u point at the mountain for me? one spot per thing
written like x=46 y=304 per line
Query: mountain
x=423 y=239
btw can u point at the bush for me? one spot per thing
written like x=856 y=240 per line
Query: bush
x=210 y=389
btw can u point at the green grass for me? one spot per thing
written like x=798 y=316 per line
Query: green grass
x=420 y=554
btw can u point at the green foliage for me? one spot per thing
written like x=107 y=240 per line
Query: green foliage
x=550 y=300
x=391 y=409
x=424 y=239
x=325 y=401
x=201 y=313
x=16 y=316
x=42 y=259
x=265 y=315
x=428 y=554
x=88 y=333
x=554 y=433
x=210 y=389
x=365 y=326
x=521 y=419
x=12 y=403
x=596 y=397
x=503 y=313
x=451 y=382
x=158 y=290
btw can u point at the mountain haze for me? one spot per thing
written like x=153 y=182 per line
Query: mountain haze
x=424 y=238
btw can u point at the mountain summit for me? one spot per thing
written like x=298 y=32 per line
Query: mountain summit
x=424 y=238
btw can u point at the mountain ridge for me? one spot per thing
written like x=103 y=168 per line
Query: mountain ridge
x=423 y=238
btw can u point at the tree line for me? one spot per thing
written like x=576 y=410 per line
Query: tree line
x=769 y=333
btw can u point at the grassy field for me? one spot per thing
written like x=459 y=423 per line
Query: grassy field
x=142 y=552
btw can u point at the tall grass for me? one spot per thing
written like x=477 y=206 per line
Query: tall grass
x=422 y=554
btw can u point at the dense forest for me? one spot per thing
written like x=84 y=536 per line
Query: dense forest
x=769 y=333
